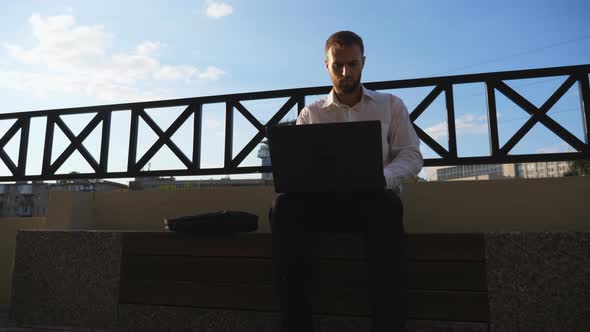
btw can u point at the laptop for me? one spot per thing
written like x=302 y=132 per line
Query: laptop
x=327 y=157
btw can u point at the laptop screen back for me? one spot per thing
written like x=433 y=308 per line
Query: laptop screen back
x=331 y=157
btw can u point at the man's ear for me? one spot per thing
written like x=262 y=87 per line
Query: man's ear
x=364 y=57
x=326 y=63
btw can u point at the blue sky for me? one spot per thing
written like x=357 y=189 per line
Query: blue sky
x=57 y=54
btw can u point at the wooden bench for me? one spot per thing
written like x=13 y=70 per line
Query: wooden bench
x=447 y=274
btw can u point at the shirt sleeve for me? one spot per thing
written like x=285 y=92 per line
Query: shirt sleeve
x=303 y=117
x=405 y=147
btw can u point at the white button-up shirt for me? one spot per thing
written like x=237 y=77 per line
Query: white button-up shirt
x=401 y=147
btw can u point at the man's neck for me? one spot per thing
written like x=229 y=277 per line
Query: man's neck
x=350 y=99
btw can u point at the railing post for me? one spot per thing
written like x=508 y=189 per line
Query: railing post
x=300 y=104
x=450 y=103
x=24 y=146
x=105 y=141
x=585 y=104
x=492 y=118
x=131 y=159
x=48 y=144
x=197 y=133
x=229 y=134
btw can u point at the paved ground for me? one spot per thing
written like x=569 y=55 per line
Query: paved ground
x=9 y=326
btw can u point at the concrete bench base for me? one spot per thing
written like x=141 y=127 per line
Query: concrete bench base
x=165 y=318
x=535 y=282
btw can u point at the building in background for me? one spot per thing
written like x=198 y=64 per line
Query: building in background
x=87 y=185
x=500 y=171
x=171 y=183
x=264 y=155
x=24 y=199
x=542 y=169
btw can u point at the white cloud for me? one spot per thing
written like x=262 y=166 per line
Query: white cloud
x=114 y=92
x=172 y=73
x=218 y=9
x=556 y=148
x=466 y=124
x=212 y=73
x=60 y=42
x=472 y=124
x=212 y=124
x=438 y=130
x=41 y=84
x=148 y=47
x=71 y=58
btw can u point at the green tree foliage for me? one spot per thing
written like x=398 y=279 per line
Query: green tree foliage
x=416 y=179
x=578 y=168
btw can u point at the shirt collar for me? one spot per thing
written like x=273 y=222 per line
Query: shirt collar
x=331 y=100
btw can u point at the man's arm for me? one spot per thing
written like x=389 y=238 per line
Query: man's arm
x=405 y=147
x=303 y=117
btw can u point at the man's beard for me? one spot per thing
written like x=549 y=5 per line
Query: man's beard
x=347 y=86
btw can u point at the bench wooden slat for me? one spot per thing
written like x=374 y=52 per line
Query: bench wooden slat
x=432 y=305
x=460 y=247
x=237 y=271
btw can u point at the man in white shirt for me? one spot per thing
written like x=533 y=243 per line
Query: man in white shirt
x=378 y=215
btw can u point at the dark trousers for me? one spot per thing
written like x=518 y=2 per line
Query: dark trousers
x=377 y=215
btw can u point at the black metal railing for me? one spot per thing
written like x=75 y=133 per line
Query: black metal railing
x=494 y=83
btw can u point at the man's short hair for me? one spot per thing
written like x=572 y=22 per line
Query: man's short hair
x=345 y=38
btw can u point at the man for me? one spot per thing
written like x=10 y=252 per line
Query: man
x=378 y=215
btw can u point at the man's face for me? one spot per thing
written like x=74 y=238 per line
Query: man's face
x=345 y=65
